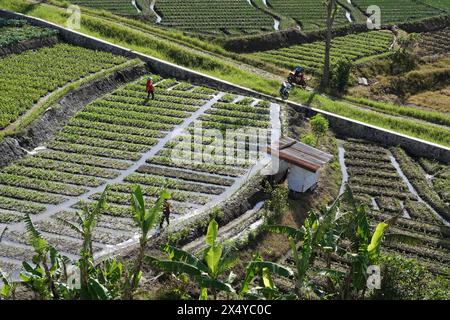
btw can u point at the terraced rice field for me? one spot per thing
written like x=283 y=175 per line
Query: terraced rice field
x=27 y=77
x=309 y=14
x=214 y=16
x=400 y=10
x=391 y=183
x=122 y=140
x=310 y=55
x=122 y=7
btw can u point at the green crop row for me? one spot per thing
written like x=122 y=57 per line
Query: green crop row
x=184 y=175
x=90 y=170
x=118 y=120
x=173 y=183
x=94 y=151
x=417 y=178
x=214 y=16
x=166 y=109
x=139 y=99
x=399 y=10
x=241 y=108
x=83 y=159
x=41 y=185
x=12 y=34
x=130 y=130
x=29 y=195
x=197 y=166
x=28 y=76
x=176 y=195
x=50 y=175
x=310 y=55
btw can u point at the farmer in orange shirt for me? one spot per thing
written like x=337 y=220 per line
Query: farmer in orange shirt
x=150 y=88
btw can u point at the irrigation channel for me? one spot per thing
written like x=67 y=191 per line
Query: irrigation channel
x=115 y=233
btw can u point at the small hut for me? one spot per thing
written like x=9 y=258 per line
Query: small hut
x=300 y=161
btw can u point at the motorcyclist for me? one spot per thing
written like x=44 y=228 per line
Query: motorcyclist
x=298 y=77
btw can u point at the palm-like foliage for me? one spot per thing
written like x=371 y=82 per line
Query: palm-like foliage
x=365 y=246
x=320 y=232
x=86 y=222
x=146 y=218
x=48 y=276
x=264 y=270
x=8 y=288
x=206 y=271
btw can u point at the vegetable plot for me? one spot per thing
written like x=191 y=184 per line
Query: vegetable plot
x=123 y=7
x=376 y=182
x=310 y=55
x=400 y=10
x=27 y=77
x=214 y=16
x=309 y=14
x=103 y=140
x=13 y=31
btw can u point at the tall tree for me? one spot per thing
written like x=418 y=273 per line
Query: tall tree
x=331 y=9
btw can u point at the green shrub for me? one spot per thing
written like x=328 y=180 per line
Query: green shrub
x=406 y=279
x=319 y=126
x=309 y=139
x=340 y=74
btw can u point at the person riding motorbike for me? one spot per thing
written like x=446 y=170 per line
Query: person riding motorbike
x=297 y=77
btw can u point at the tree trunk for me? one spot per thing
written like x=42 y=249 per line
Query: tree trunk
x=330 y=8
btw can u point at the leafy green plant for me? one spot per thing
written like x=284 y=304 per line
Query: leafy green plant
x=206 y=271
x=146 y=218
x=407 y=279
x=309 y=139
x=48 y=277
x=319 y=126
x=340 y=74
x=279 y=199
x=320 y=232
x=90 y=288
x=266 y=289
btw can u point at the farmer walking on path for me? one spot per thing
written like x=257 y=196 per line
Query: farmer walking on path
x=150 y=88
x=166 y=214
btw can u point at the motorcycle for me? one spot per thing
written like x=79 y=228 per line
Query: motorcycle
x=285 y=90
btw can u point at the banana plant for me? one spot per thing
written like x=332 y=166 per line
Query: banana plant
x=7 y=291
x=48 y=276
x=206 y=271
x=365 y=247
x=320 y=233
x=145 y=218
x=90 y=287
x=264 y=270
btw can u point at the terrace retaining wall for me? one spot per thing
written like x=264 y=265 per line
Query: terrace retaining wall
x=341 y=125
x=28 y=45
